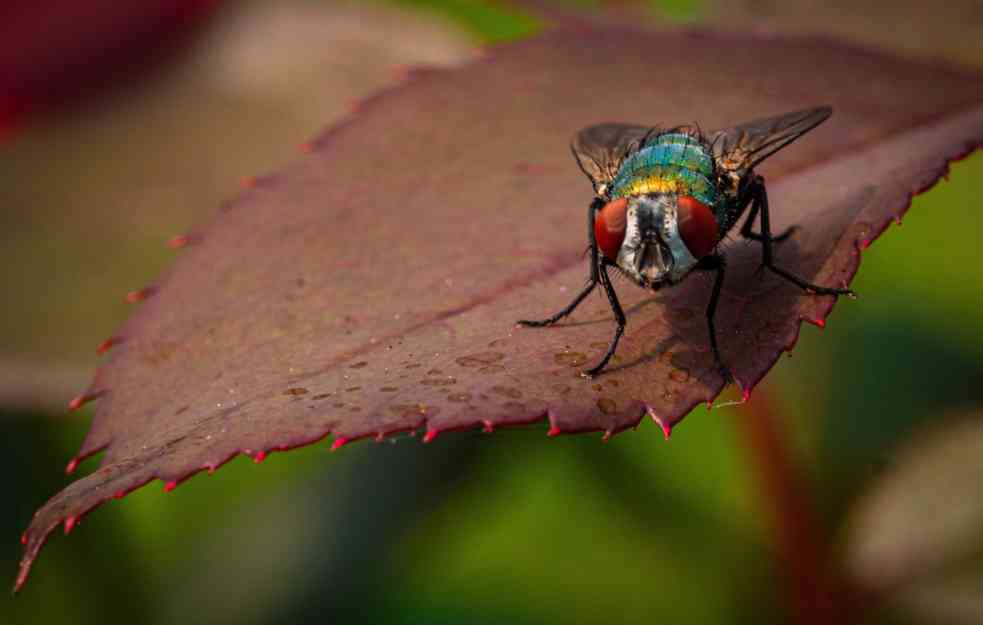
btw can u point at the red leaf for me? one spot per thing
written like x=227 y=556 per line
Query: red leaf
x=57 y=50
x=372 y=287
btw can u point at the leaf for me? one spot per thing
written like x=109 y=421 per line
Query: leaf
x=140 y=165
x=53 y=52
x=372 y=287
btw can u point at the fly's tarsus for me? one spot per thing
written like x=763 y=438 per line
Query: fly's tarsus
x=759 y=208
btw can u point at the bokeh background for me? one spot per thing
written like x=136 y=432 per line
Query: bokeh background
x=879 y=414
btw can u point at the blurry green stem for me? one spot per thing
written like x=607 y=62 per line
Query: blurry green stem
x=802 y=550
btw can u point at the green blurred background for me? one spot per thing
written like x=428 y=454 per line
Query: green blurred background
x=472 y=529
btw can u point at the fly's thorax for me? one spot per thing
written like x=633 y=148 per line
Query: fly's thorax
x=656 y=239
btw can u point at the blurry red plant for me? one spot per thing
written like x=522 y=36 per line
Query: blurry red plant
x=53 y=53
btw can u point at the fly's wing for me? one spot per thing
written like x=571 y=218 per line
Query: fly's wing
x=740 y=148
x=600 y=149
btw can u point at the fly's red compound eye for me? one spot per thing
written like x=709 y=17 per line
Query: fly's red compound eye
x=609 y=227
x=697 y=225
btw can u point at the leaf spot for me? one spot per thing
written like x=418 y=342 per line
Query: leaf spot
x=438 y=381
x=570 y=359
x=607 y=405
x=480 y=359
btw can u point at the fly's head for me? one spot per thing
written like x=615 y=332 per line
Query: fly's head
x=656 y=239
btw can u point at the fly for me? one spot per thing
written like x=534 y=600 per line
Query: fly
x=664 y=199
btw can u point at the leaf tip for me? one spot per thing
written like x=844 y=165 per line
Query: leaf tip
x=108 y=344
x=139 y=295
x=70 y=523
x=553 y=431
x=80 y=400
x=168 y=487
x=430 y=435
x=487 y=426
x=179 y=241
x=666 y=428
x=338 y=443
x=259 y=457
x=819 y=322
x=25 y=569
x=71 y=466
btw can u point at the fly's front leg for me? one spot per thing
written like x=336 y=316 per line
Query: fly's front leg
x=596 y=205
x=760 y=199
x=715 y=263
x=619 y=316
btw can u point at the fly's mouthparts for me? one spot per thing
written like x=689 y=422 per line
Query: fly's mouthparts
x=651 y=255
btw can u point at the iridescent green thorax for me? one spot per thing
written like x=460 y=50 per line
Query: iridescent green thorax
x=674 y=162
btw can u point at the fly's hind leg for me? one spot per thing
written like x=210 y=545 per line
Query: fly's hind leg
x=591 y=282
x=755 y=236
x=759 y=198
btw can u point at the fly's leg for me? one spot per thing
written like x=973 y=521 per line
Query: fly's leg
x=716 y=263
x=598 y=274
x=619 y=316
x=538 y=323
x=760 y=199
x=591 y=283
x=754 y=236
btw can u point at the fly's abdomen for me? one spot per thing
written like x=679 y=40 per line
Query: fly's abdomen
x=670 y=163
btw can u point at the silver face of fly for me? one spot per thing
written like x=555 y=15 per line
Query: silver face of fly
x=653 y=253
x=664 y=199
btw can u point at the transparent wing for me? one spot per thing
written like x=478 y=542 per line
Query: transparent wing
x=600 y=149
x=740 y=148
